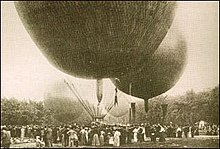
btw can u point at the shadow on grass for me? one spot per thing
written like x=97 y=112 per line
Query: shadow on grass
x=169 y=143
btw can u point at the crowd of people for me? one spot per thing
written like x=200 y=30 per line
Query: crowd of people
x=211 y=129
x=96 y=134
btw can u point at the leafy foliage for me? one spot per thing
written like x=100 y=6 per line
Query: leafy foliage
x=15 y=112
x=188 y=108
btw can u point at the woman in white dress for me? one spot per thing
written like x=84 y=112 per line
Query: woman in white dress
x=101 y=138
x=22 y=133
x=135 y=131
x=110 y=139
x=190 y=132
x=117 y=135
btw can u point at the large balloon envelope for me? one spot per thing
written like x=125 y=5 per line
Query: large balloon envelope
x=96 y=39
x=160 y=72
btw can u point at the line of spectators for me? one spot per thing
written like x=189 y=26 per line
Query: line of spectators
x=96 y=134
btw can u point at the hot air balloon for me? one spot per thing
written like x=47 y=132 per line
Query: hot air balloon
x=159 y=72
x=96 y=39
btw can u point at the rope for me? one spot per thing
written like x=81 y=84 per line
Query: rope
x=88 y=105
x=91 y=108
x=79 y=98
x=94 y=111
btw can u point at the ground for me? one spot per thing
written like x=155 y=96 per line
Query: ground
x=197 y=142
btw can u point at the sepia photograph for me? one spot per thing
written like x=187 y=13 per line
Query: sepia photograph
x=109 y=74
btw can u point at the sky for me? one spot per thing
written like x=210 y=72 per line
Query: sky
x=26 y=73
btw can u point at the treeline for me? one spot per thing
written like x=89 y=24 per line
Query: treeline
x=16 y=112
x=186 y=109
x=51 y=111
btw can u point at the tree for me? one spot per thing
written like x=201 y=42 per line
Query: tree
x=15 y=112
x=10 y=111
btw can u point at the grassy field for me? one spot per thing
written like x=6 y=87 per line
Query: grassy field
x=207 y=142
x=197 y=142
